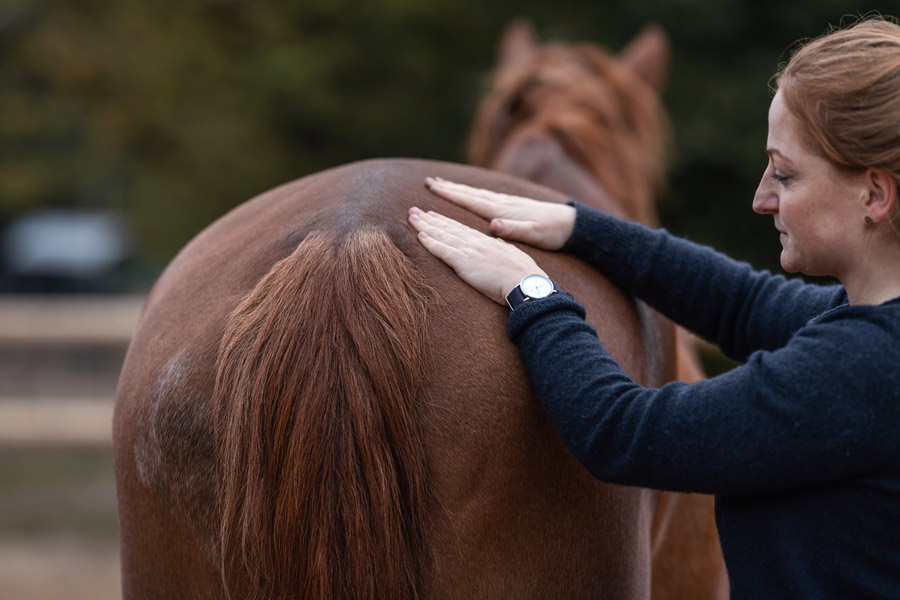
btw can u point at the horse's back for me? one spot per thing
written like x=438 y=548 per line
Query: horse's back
x=510 y=513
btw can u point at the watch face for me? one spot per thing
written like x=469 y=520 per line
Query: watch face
x=537 y=286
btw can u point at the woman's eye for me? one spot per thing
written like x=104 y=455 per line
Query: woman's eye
x=779 y=177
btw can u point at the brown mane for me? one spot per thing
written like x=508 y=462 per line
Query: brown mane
x=322 y=465
x=604 y=118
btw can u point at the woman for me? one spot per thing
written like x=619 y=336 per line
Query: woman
x=799 y=443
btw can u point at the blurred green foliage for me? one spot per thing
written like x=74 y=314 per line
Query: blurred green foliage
x=176 y=111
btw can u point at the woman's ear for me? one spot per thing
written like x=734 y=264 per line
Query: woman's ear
x=882 y=194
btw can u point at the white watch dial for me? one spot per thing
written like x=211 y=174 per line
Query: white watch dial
x=536 y=286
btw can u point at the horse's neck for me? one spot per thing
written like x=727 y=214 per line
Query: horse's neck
x=538 y=157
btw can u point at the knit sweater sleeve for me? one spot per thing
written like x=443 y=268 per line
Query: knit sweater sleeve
x=724 y=301
x=787 y=418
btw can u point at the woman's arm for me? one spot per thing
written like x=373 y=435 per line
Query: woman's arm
x=725 y=301
x=720 y=299
x=788 y=418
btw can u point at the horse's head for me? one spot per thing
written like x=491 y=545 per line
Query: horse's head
x=558 y=103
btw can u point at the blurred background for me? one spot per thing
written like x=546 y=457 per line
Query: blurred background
x=127 y=127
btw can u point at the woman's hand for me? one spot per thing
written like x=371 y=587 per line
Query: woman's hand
x=542 y=224
x=491 y=266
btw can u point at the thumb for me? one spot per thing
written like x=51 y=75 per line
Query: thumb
x=520 y=231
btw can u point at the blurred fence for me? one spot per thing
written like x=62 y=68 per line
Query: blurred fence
x=59 y=363
x=60 y=358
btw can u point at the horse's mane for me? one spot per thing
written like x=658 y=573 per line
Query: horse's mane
x=604 y=117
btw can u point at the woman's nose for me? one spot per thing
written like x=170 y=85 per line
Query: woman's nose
x=766 y=199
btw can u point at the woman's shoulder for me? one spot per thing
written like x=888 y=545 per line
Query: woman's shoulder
x=843 y=341
x=860 y=337
x=841 y=311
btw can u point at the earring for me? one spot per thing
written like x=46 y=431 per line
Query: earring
x=869 y=220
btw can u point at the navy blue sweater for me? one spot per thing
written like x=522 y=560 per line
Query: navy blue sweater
x=800 y=444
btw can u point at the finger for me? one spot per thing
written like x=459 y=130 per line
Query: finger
x=482 y=195
x=484 y=203
x=438 y=220
x=459 y=230
x=511 y=229
x=448 y=225
x=485 y=208
x=470 y=242
x=468 y=190
x=450 y=255
x=452 y=185
x=436 y=217
x=439 y=229
x=457 y=253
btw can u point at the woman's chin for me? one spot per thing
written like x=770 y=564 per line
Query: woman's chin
x=788 y=265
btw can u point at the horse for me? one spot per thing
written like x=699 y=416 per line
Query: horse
x=591 y=125
x=312 y=406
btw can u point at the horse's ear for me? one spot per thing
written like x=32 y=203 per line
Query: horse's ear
x=518 y=43
x=647 y=55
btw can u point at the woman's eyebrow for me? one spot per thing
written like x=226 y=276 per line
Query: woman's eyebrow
x=772 y=152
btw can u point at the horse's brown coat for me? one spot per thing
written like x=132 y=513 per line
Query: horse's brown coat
x=509 y=512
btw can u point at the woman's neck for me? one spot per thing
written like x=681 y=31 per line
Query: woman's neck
x=875 y=280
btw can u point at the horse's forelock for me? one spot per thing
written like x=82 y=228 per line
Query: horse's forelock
x=606 y=119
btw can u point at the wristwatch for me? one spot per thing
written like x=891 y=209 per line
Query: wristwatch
x=532 y=287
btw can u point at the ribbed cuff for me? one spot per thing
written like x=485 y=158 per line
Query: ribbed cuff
x=529 y=312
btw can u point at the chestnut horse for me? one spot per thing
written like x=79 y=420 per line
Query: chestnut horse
x=574 y=118
x=312 y=406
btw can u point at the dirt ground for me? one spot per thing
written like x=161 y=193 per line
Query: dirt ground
x=58 y=532
x=59 y=567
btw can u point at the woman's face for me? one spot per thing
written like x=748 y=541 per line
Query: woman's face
x=814 y=204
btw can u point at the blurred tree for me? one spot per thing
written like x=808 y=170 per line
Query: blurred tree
x=176 y=111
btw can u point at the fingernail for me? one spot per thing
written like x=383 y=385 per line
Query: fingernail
x=422 y=235
x=414 y=217
x=497 y=226
x=414 y=209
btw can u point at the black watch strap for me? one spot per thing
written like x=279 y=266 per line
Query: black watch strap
x=516 y=297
